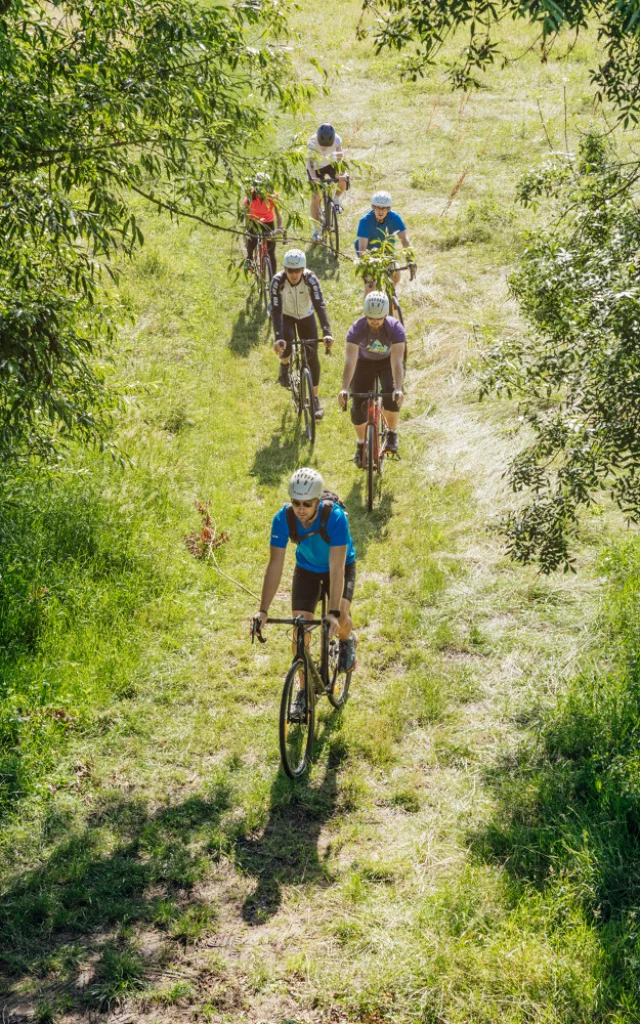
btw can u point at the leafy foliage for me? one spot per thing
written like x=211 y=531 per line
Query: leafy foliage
x=378 y=264
x=577 y=372
x=424 y=28
x=98 y=101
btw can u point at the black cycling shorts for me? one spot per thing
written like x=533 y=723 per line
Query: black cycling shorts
x=328 y=171
x=308 y=587
x=367 y=373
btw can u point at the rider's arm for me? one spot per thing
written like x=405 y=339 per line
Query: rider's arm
x=362 y=245
x=337 y=558
x=404 y=238
x=397 y=354
x=272 y=577
x=276 y=306
x=350 y=360
x=315 y=291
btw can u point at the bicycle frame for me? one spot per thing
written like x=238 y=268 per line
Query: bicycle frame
x=303 y=627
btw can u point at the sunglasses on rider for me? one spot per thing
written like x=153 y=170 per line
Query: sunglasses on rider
x=302 y=504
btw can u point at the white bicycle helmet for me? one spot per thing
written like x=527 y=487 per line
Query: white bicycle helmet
x=306 y=484
x=381 y=198
x=376 y=305
x=295 y=259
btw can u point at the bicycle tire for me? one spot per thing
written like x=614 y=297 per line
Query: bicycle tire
x=308 y=404
x=395 y=305
x=296 y=737
x=266 y=274
x=334 y=232
x=337 y=694
x=294 y=383
x=371 y=464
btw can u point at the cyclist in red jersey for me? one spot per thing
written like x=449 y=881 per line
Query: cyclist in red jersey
x=263 y=216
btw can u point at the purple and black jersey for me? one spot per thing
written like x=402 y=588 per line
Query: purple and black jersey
x=376 y=345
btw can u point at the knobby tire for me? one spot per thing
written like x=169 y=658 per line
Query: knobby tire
x=339 y=682
x=296 y=738
x=307 y=403
x=266 y=275
x=371 y=464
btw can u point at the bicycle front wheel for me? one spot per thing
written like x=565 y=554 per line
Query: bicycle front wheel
x=266 y=274
x=339 y=682
x=372 y=459
x=307 y=404
x=334 y=231
x=297 y=717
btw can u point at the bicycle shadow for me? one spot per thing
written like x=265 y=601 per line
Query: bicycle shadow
x=286 y=852
x=367 y=526
x=282 y=454
x=245 y=333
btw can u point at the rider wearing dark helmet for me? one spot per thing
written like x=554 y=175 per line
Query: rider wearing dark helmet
x=323 y=161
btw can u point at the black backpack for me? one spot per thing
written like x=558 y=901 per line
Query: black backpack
x=329 y=501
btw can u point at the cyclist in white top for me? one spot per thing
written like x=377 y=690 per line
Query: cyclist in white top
x=323 y=160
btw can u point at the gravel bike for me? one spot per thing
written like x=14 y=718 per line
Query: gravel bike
x=261 y=270
x=298 y=703
x=375 y=440
x=304 y=401
x=329 y=216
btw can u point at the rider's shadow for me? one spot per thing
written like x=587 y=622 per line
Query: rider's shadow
x=286 y=853
x=367 y=526
x=323 y=263
x=246 y=331
x=282 y=454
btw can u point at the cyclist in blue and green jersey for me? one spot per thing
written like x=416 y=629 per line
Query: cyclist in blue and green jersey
x=380 y=223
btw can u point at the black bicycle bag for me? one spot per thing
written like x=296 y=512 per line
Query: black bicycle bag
x=329 y=501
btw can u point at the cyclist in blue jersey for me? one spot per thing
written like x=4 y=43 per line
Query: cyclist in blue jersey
x=381 y=222
x=325 y=559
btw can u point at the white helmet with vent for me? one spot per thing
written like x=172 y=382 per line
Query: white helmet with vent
x=376 y=305
x=381 y=198
x=295 y=259
x=306 y=484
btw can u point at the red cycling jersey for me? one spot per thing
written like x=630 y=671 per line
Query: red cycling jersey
x=262 y=210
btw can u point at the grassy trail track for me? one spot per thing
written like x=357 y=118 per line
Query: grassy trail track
x=163 y=869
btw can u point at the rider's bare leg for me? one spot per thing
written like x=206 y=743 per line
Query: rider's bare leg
x=315 y=206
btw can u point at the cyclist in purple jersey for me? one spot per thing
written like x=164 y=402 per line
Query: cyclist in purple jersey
x=374 y=352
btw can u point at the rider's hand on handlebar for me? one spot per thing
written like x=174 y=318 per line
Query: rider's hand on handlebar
x=333 y=624
x=398 y=397
x=328 y=343
x=413 y=270
x=279 y=346
x=343 y=398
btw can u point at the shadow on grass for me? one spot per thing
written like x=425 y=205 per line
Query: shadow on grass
x=245 y=335
x=323 y=264
x=286 y=851
x=281 y=456
x=367 y=526
x=127 y=866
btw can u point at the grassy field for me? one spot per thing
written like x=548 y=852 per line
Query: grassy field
x=464 y=849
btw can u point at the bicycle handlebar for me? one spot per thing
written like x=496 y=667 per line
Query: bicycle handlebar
x=371 y=394
x=256 y=628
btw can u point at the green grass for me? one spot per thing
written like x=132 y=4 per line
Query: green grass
x=463 y=848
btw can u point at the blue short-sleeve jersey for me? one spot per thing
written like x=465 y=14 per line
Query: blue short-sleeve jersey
x=312 y=552
x=374 y=232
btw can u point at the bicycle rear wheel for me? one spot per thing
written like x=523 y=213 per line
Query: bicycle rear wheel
x=372 y=459
x=307 y=404
x=339 y=682
x=296 y=725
